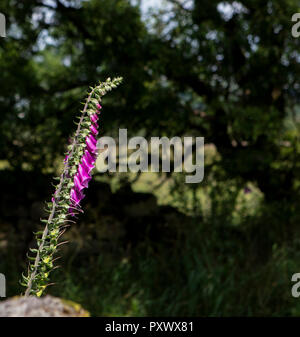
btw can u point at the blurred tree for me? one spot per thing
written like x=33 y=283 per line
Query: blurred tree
x=227 y=71
x=238 y=66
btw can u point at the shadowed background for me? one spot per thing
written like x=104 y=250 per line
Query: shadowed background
x=149 y=244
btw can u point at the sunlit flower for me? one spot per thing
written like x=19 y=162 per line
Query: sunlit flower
x=94 y=118
x=76 y=196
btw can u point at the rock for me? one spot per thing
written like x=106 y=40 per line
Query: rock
x=47 y=306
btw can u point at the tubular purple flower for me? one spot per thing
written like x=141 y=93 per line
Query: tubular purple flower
x=91 y=145
x=94 y=118
x=92 y=149
x=94 y=130
x=78 y=185
x=93 y=139
x=84 y=174
x=89 y=166
x=84 y=181
x=76 y=196
x=83 y=177
x=91 y=157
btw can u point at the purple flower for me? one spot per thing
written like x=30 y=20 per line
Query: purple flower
x=94 y=130
x=84 y=175
x=91 y=144
x=90 y=157
x=84 y=181
x=92 y=139
x=76 y=196
x=88 y=165
x=99 y=107
x=94 y=118
x=78 y=184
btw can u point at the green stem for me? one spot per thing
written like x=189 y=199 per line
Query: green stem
x=63 y=175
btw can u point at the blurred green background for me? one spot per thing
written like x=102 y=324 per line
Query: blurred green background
x=149 y=244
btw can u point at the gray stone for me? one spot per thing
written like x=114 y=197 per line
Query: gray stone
x=47 y=306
